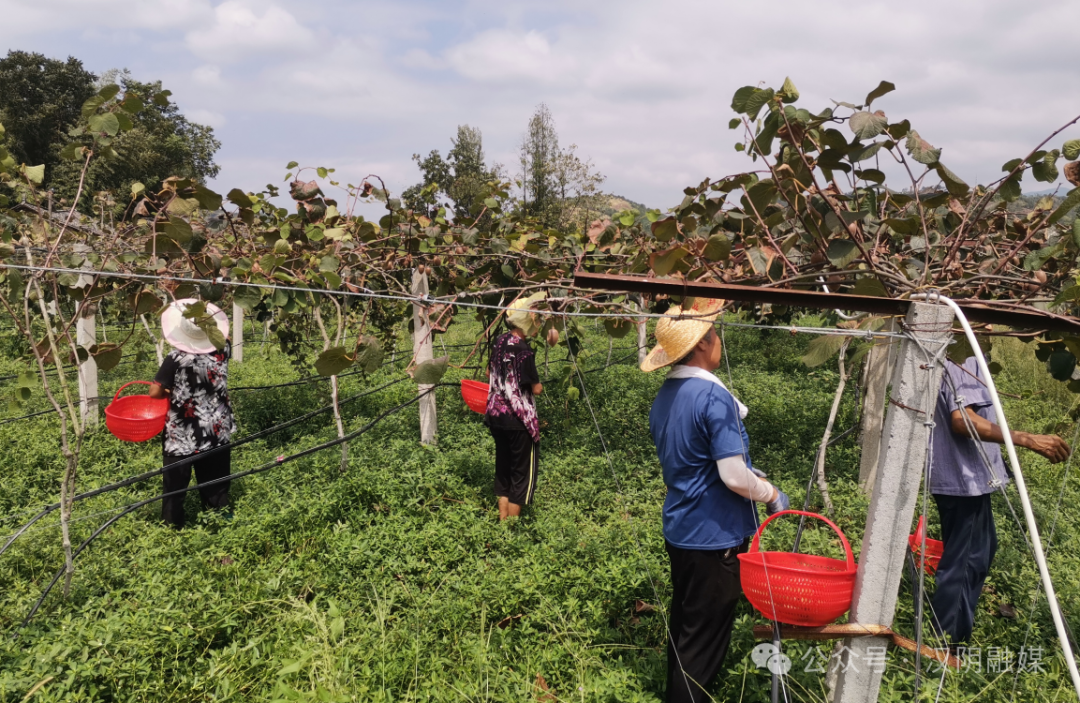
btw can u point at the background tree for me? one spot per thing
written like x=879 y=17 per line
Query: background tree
x=161 y=143
x=558 y=188
x=41 y=99
x=462 y=177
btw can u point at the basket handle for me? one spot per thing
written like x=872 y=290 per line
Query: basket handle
x=827 y=521
x=129 y=383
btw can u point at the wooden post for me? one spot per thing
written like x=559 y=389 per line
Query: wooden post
x=642 y=333
x=237 y=333
x=422 y=352
x=86 y=337
x=879 y=366
x=901 y=464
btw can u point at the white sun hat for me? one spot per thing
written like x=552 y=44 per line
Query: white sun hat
x=184 y=334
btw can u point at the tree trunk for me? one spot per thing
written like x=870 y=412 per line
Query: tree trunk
x=819 y=468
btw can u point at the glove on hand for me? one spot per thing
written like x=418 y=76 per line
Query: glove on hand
x=758 y=472
x=781 y=503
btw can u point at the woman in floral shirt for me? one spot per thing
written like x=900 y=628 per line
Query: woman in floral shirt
x=194 y=377
x=511 y=410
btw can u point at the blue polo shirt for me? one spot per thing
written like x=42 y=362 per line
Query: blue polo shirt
x=693 y=424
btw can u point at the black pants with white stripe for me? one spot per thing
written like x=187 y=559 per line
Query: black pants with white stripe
x=705 y=590
x=517 y=462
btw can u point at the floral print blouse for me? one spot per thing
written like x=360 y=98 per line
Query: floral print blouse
x=512 y=372
x=200 y=414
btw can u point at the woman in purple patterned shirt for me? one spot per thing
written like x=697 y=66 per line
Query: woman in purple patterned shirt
x=511 y=409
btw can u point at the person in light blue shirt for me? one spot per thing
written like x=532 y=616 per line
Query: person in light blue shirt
x=965 y=469
x=709 y=516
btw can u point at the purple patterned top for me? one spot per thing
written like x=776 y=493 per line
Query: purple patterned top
x=512 y=372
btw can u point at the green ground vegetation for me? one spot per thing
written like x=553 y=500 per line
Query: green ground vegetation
x=394 y=581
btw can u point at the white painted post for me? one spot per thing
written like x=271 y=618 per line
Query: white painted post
x=879 y=365
x=901 y=464
x=422 y=351
x=237 y=333
x=86 y=336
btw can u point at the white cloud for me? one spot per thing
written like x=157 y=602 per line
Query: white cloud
x=502 y=56
x=207 y=117
x=240 y=29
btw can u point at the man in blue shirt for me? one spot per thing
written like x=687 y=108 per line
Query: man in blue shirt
x=709 y=516
x=965 y=469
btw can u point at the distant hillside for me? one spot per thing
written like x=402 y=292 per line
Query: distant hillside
x=617 y=203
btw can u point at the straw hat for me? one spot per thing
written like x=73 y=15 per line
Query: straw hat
x=521 y=315
x=678 y=335
x=184 y=334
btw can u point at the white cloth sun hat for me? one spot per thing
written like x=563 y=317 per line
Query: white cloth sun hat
x=184 y=334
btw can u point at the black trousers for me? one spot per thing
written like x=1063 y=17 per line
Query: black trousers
x=517 y=465
x=967 y=529
x=214 y=466
x=706 y=589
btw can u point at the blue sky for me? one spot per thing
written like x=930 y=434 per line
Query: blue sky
x=642 y=88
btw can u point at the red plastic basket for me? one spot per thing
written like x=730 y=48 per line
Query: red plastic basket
x=934 y=548
x=798 y=589
x=475 y=395
x=136 y=418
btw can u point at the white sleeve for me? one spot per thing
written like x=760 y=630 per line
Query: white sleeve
x=738 y=477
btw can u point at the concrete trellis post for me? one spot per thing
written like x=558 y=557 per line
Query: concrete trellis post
x=879 y=366
x=901 y=462
x=422 y=351
x=237 y=333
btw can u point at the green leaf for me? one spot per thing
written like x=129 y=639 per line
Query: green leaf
x=1010 y=189
x=337 y=628
x=1076 y=232
x=72 y=151
x=788 y=92
x=1072 y=199
x=908 y=225
x=290 y=668
x=1061 y=365
x=921 y=150
x=738 y=101
x=125 y=122
x=617 y=328
x=27 y=379
x=431 y=372
x=34 y=174
x=734 y=123
x=1045 y=169
x=240 y=198
x=884 y=87
x=573 y=393
x=292 y=165
x=869 y=285
x=664 y=230
x=1071 y=149
x=161 y=98
x=323 y=173
x=107 y=123
x=370 y=354
x=132 y=104
x=91 y=106
x=821 y=349
x=761 y=194
x=109 y=92
x=247 y=297
x=333 y=361
x=718 y=248
x=178 y=230
x=757 y=100
x=663 y=262
x=208 y=199
x=871 y=174
x=952 y=182
x=842 y=252
x=106 y=355
x=144 y=302
x=867 y=125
